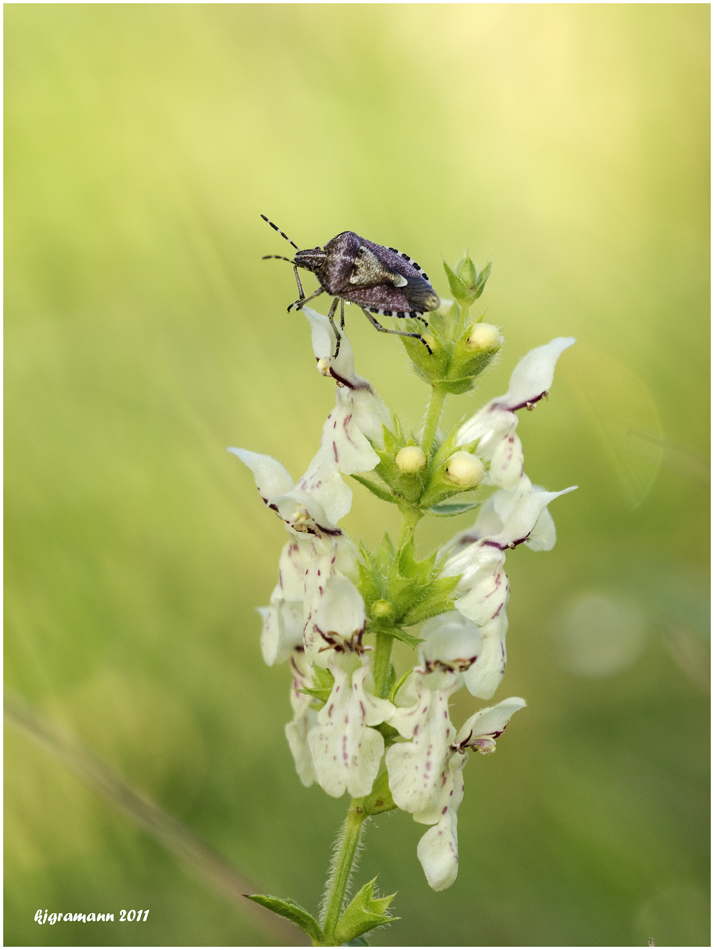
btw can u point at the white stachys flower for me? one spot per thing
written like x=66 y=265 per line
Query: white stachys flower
x=479 y=556
x=438 y=848
x=355 y=422
x=415 y=766
x=346 y=751
x=495 y=425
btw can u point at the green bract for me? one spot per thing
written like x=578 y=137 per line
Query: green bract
x=454 y=365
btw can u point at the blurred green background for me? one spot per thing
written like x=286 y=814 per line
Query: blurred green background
x=144 y=334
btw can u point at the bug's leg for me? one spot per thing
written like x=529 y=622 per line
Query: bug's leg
x=303 y=300
x=342 y=314
x=331 y=318
x=378 y=326
x=301 y=292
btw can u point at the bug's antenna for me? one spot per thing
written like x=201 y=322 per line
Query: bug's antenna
x=281 y=233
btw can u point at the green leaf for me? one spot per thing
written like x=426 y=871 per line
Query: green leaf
x=382 y=493
x=399 y=634
x=437 y=600
x=482 y=278
x=384 y=555
x=458 y=287
x=294 y=912
x=467 y=271
x=380 y=798
x=323 y=682
x=363 y=913
x=391 y=678
x=449 y=509
x=398 y=685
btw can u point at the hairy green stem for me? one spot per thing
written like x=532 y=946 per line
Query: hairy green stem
x=464 y=307
x=380 y=663
x=410 y=519
x=348 y=841
x=432 y=419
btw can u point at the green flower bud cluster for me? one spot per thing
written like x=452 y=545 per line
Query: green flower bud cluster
x=461 y=348
x=418 y=483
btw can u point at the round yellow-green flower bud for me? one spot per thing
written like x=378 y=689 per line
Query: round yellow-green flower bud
x=410 y=460
x=483 y=336
x=464 y=470
x=382 y=609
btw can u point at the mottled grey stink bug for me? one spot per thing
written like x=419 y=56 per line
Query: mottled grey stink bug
x=378 y=279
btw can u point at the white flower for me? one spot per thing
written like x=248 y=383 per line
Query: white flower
x=346 y=752
x=304 y=717
x=283 y=619
x=415 y=767
x=495 y=425
x=354 y=423
x=438 y=849
x=335 y=615
x=479 y=555
x=484 y=727
x=320 y=498
x=312 y=508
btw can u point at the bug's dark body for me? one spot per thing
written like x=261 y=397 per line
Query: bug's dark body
x=378 y=279
x=364 y=273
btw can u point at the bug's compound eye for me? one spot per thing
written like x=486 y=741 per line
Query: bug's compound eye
x=312 y=259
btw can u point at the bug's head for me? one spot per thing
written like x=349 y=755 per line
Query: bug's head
x=313 y=259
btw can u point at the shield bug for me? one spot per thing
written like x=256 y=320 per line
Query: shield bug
x=378 y=279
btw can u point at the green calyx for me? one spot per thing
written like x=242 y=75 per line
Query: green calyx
x=323 y=682
x=400 y=590
x=362 y=914
x=456 y=360
x=467 y=283
x=418 y=483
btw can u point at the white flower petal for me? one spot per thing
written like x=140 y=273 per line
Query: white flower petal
x=415 y=767
x=525 y=514
x=304 y=718
x=324 y=343
x=533 y=376
x=297 y=733
x=450 y=639
x=483 y=589
x=438 y=852
x=484 y=676
x=489 y=722
x=303 y=514
x=543 y=536
x=506 y=466
x=282 y=630
x=340 y=612
x=345 y=750
x=494 y=425
x=323 y=482
x=271 y=477
x=438 y=849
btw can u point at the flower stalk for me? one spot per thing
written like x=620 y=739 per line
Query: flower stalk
x=347 y=845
